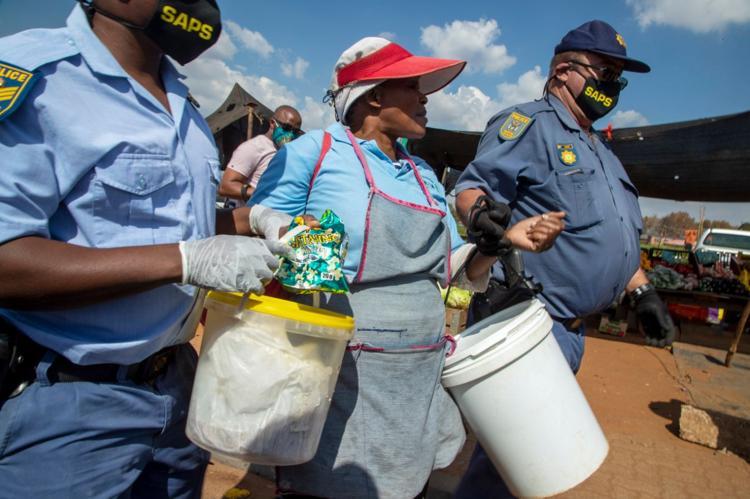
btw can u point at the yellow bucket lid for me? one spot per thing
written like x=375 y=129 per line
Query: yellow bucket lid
x=286 y=309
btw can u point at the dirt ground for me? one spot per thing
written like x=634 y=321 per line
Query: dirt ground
x=636 y=393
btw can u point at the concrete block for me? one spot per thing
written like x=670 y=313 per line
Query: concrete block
x=697 y=426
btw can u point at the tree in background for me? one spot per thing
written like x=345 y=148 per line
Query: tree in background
x=674 y=225
x=651 y=225
x=717 y=224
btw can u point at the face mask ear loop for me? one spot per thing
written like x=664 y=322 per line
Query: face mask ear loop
x=90 y=8
x=545 y=91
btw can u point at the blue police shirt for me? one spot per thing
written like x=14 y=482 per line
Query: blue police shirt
x=555 y=165
x=91 y=158
x=341 y=185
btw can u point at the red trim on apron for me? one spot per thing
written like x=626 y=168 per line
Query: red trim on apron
x=375 y=191
x=446 y=339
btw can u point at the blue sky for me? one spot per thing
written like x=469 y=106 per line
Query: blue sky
x=283 y=52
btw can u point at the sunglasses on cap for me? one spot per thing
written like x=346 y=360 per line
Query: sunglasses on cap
x=287 y=127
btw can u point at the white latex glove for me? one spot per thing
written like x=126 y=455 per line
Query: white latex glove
x=230 y=263
x=267 y=222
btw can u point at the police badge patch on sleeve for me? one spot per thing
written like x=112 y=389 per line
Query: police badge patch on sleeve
x=15 y=83
x=514 y=126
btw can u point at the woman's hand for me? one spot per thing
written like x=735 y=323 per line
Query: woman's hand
x=537 y=233
x=308 y=220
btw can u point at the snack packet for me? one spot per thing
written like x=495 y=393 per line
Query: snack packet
x=317 y=257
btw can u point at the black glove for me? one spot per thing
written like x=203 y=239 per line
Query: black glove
x=487 y=222
x=653 y=316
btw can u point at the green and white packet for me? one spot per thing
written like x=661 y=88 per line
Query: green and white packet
x=315 y=263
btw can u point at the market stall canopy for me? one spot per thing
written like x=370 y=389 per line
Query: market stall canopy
x=236 y=106
x=700 y=160
x=239 y=118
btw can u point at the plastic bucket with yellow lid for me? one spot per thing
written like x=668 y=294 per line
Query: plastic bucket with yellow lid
x=266 y=374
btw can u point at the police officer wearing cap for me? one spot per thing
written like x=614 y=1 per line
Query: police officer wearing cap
x=544 y=156
x=107 y=223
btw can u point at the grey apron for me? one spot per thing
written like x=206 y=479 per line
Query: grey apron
x=390 y=422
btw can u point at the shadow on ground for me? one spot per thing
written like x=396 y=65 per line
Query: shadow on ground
x=734 y=432
x=669 y=411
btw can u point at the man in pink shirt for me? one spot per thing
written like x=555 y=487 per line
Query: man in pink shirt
x=251 y=158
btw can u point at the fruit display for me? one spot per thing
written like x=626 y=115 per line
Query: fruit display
x=723 y=286
x=714 y=278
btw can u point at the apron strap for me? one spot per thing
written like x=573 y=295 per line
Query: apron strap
x=323 y=151
x=405 y=155
x=399 y=153
x=362 y=160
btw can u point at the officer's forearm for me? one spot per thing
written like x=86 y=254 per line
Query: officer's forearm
x=40 y=273
x=638 y=279
x=234 y=222
x=464 y=201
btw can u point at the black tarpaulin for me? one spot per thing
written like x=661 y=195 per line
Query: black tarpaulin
x=700 y=160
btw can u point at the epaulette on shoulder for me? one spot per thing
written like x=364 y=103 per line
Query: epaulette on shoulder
x=514 y=125
x=21 y=57
x=33 y=48
x=519 y=118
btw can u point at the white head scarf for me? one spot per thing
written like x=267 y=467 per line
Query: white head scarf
x=344 y=97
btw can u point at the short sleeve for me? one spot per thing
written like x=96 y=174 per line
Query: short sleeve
x=498 y=163
x=285 y=183
x=29 y=192
x=244 y=158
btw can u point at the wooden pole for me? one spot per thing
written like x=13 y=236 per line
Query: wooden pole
x=250 y=115
x=738 y=334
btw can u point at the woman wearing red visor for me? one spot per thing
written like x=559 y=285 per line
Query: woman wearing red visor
x=390 y=422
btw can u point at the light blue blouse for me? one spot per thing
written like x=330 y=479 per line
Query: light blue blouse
x=341 y=185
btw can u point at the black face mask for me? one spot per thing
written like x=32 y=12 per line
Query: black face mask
x=183 y=29
x=599 y=97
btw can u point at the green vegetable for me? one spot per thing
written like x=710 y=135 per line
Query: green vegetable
x=458 y=298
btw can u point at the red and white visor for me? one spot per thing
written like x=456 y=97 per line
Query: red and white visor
x=373 y=60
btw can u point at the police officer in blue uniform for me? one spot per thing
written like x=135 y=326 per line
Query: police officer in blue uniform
x=107 y=223
x=544 y=156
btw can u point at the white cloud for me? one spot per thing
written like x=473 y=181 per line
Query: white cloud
x=210 y=80
x=224 y=49
x=316 y=114
x=388 y=35
x=211 y=77
x=700 y=16
x=469 y=40
x=625 y=119
x=469 y=108
x=528 y=87
x=296 y=69
x=251 y=40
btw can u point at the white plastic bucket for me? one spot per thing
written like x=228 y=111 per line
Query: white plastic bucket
x=520 y=398
x=265 y=377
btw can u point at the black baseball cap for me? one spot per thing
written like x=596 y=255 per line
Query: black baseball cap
x=600 y=38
